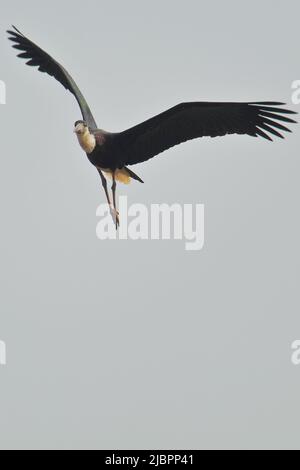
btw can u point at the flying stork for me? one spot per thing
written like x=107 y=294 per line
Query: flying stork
x=112 y=152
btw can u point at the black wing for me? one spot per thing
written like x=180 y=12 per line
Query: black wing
x=188 y=121
x=45 y=63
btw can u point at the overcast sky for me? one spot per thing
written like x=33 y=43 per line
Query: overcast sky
x=141 y=344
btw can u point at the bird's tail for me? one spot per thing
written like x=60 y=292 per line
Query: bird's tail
x=133 y=175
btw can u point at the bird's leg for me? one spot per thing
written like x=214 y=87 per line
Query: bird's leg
x=113 y=188
x=104 y=184
x=114 y=213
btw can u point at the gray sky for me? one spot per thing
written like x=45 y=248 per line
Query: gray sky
x=141 y=344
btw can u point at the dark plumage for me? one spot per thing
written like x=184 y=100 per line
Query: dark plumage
x=191 y=120
x=186 y=121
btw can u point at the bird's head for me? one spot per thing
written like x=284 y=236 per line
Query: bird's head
x=80 y=127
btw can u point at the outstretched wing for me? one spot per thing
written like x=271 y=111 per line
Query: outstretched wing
x=45 y=63
x=188 y=121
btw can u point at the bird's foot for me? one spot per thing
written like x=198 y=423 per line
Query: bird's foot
x=115 y=215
